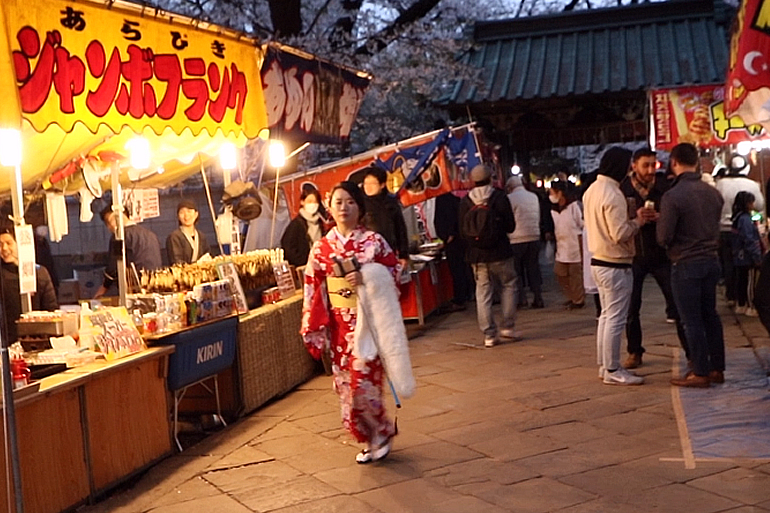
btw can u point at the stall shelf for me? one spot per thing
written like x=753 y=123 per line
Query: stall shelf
x=429 y=288
x=272 y=358
x=89 y=428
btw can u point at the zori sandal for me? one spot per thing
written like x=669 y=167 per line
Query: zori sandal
x=364 y=456
x=382 y=451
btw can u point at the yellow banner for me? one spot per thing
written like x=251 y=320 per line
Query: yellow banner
x=80 y=61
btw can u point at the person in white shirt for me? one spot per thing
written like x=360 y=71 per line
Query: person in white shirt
x=525 y=240
x=567 y=216
x=611 y=236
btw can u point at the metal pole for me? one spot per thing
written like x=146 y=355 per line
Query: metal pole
x=10 y=427
x=9 y=408
x=211 y=203
x=275 y=206
x=17 y=200
x=117 y=211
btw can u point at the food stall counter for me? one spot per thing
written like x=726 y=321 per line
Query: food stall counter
x=90 y=428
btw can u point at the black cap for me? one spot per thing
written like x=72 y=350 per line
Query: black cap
x=186 y=203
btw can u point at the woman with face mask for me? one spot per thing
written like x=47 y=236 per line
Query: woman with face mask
x=43 y=299
x=568 y=228
x=303 y=230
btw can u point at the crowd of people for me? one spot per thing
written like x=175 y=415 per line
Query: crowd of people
x=626 y=221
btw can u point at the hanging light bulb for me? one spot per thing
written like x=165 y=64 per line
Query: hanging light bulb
x=228 y=156
x=10 y=147
x=139 y=152
x=277 y=154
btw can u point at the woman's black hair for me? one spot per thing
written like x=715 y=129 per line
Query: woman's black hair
x=7 y=227
x=355 y=192
x=741 y=204
x=310 y=192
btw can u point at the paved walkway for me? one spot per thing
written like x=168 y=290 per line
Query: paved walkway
x=523 y=427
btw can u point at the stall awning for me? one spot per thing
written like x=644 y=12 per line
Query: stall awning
x=83 y=76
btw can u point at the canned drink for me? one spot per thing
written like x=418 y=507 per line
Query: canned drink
x=649 y=204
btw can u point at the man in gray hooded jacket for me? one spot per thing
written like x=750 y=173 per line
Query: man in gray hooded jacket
x=489 y=253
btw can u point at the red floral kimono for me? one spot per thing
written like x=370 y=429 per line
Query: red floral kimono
x=358 y=383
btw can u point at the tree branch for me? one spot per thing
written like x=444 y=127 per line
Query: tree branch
x=380 y=41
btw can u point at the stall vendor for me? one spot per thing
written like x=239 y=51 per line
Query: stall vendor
x=186 y=244
x=43 y=299
x=304 y=230
x=142 y=249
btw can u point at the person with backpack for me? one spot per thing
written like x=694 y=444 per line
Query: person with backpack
x=486 y=219
x=747 y=252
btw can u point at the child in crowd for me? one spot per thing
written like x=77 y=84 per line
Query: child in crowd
x=747 y=252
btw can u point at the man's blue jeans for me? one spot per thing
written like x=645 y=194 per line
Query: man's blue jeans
x=694 y=285
x=486 y=274
x=614 y=285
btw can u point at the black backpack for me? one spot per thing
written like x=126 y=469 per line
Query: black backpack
x=478 y=226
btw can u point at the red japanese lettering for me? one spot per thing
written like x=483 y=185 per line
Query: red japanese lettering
x=168 y=69
x=100 y=100
x=68 y=79
x=36 y=85
x=218 y=107
x=239 y=88
x=134 y=98
x=195 y=89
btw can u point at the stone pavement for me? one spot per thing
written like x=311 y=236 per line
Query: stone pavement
x=523 y=427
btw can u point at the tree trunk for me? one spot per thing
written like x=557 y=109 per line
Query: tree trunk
x=380 y=41
x=286 y=17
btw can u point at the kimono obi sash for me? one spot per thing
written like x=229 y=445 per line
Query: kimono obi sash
x=341 y=293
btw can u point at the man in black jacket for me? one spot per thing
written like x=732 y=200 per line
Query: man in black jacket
x=641 y=186
x=383 y=213
x=689 y=230
x=489 y=252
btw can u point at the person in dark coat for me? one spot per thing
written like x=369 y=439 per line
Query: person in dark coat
x=448 y=230
x=489 y=253
x=43 y=299
x=142 y=249
x=384 y=214
x=186 y=244
x=304 y=230
x=644 y=185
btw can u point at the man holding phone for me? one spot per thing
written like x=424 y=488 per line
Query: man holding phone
x=644 y=186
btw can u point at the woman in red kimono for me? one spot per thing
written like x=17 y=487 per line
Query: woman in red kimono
x=329 y=319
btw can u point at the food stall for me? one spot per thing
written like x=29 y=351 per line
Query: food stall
x=418 y=169
x=86 y=79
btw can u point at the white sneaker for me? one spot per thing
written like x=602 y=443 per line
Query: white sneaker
x=751 y=312
x=739 y=310
x=622 y=377
x=510 y=334
x=489 y=341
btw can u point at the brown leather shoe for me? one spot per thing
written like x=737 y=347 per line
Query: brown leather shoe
x=692 y=381
x=633 y=361
x=717 y=377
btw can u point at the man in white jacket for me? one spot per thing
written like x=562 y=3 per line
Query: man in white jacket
x=611 y=242
x=525 y=240
x=729 y=186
